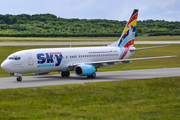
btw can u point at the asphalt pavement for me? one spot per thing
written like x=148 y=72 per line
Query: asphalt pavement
x=47 y=80
x=84 y=43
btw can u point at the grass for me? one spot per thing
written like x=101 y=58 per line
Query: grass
x=84 y=39
x=157 y=38
x=143 y=64
x=58 y=39
x=157 y=99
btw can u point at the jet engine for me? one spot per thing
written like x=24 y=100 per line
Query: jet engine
x=85 y=70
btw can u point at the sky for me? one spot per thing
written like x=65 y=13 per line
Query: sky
x=168 y=10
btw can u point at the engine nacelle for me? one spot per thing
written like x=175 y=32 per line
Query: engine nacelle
x=85 y=70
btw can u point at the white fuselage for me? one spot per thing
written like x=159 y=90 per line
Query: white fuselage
x=58 y=59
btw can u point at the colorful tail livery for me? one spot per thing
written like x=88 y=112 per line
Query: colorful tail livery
x=84 y=61
x=128 y=35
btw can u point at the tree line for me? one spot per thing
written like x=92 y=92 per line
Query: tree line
x=49 y=25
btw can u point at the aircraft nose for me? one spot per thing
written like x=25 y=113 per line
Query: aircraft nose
x=5 y=66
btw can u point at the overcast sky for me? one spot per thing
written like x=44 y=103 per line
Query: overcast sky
x=168 y=10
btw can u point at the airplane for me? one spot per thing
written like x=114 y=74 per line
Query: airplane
x=84 y=61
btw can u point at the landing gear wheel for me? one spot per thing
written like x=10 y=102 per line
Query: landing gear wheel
x=65 y=74
x=19 y=78
x=62 y=74
x=93 y=76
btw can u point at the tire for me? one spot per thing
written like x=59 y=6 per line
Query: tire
x=19 y=78
x=94 y=75
x=62 y=74
x=67 y=74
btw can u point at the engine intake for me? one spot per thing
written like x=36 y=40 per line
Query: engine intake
x=84 y=70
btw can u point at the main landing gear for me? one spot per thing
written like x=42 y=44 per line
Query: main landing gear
x=93 y=76
x=65 y=74
x=19 y=78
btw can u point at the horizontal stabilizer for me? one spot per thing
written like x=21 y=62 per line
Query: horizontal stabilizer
x=148 y=48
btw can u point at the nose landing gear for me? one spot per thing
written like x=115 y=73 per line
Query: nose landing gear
x=19 y=78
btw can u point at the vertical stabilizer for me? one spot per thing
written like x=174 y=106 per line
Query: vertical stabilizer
x=128 y=35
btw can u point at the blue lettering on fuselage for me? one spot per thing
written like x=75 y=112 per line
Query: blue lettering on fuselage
x=59 y=58
x=46 y=65
x=49 y=58
x=41 y=58
x=46 y=60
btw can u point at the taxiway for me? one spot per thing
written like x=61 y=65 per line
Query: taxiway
x=47 y=80
x=84 y=43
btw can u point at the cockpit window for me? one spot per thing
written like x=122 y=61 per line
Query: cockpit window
x=11 y=58
x=14 y=58
x=17 y=58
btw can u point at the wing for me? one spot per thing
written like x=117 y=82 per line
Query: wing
x=113 y=62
